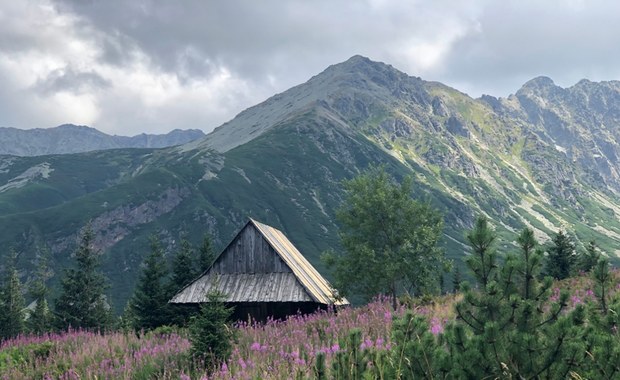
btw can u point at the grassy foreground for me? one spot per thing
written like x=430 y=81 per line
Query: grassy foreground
x=275 y=350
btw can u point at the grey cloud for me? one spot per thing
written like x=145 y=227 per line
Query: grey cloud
x=67 y=79
x=517 y=41
x=258 y=40
x=268 y=46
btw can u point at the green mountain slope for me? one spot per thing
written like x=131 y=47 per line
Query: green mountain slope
x=524 y=160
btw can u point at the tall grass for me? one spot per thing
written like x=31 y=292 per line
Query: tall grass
x=273 y=350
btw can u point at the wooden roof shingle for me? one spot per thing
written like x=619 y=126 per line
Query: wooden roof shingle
x=302 y=283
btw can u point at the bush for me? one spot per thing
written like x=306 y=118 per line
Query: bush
x=209 y=332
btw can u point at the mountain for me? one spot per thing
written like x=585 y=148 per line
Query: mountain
x=545 y=157
x=69 y=138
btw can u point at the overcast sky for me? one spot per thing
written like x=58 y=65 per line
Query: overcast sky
x=127 y=67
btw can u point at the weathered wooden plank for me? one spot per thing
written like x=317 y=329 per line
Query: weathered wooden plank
x=261 y=265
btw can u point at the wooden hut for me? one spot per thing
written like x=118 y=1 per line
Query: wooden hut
x=262 y=275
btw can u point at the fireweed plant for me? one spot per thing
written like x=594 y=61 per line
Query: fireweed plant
x=518 y=326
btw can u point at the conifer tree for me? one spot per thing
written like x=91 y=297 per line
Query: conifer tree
x=206 y=254
x=149 y=304
x=183 y=272
x=82 y=303
x=514 y=333
x=210 y=333
x=456 y=279
x=183 y=267
x=11 y=303
x=40 y=319
x=588 y=259
x=505 y=328
x=482 y=261
x=561 y=256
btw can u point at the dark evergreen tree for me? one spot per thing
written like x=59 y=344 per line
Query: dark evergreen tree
x=456 y=279
x=602 y=280
x=210 y=333
x=149 y=304
x=11 y=303
x=206 y=254
x=82 y=302
x=482 y=261
x=184 y=269
x=40 y=319
x=588 y=259
x=560 y=256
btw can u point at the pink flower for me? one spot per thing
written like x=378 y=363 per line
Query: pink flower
x=436 y=326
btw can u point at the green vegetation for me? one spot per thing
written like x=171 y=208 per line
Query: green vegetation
x=82 y=302
x=211 y=333
x=390 y=240
x=149 y=304
x=561 y=256
x=11 y=304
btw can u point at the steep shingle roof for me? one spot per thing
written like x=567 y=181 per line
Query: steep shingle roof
x=302 y=283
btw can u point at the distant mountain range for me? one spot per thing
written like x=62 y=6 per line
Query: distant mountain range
x=546 y=157
x=69 y=138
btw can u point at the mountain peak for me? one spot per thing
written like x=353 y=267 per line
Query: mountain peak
x=539 y=82
x=539 y=86
x=359 y=64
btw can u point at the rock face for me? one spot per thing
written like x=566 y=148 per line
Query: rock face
x=545 y=157
x=70 y=138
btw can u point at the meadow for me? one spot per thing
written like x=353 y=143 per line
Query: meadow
x=272 y=350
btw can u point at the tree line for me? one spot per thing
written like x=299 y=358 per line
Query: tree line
x=82 y=302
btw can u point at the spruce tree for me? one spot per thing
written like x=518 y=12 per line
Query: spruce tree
x=210 y=333
x=206 y=254
x=149 y=304
x=183 y=272
x=40 y=319
x=456 y=279
x=560 y=256
x=82 y=303
x=11 y=304
x=588 y=259
x=183 y=267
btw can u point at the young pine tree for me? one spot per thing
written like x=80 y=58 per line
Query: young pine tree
x=482 y=261
x=505 y=328
x=149 y=304
x=11 y=304
x=209 y=331
x=560 y=256
x=81 y=303
x=512 y=332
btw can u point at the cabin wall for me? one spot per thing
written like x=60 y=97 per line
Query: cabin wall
x=249 y=253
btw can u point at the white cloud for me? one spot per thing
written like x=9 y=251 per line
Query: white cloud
x=151 y=66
